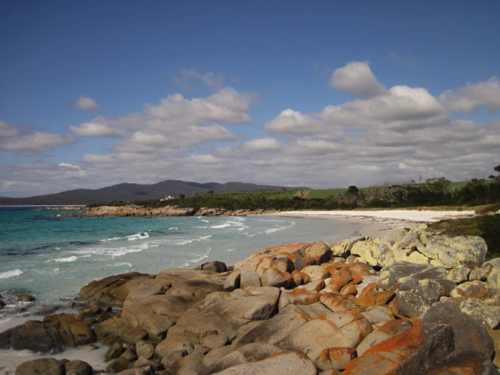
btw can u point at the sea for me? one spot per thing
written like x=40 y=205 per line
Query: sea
x=51 y=257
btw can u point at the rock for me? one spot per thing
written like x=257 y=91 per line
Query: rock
x=413 y=351
x=114 y=351
x=478 y=290
x=133 y=335
x=370 y=296
x=340 y=279
x=232 y=281
x=118 y=365
x=469 y=333
x=25 y=298
x=129 y=354
x=459 y=275
x=316 y=272
x=249 y=278
x=494 y=275
x=415 y=297
x=283 y=264
x=345 y=329
x=103 y=290
x=77 y=367
x=188 y=365
x=173 y=356
x=289 y=362
x=47 y=310
x=215 y=341
x=214 y=266
x=226 y=313
x=45 y=366
x=173 y=344
x=401 y=271
x=389 y=329
x=276 y=278
x=318 y=253
x=110 y=330
x=297 y=297
x=337 y=303
x=377 y=314
x=55 y=332
x=336 y=358
x=274 y=329
x=464 y=363
x=144 y=349
x=479 y=309
x=240 y=355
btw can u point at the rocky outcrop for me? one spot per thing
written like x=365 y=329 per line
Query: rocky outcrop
x=358 y=307
x=52 y=334
x=166 y=211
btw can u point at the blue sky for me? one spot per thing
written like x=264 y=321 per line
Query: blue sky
x=323 y=93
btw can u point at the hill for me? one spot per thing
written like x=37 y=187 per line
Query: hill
x=137 y=192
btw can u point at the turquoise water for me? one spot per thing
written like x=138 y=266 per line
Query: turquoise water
x=52 y=257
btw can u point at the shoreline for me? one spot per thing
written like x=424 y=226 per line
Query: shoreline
x=379 y=222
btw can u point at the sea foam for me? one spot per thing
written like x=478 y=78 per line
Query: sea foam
x=10 y=274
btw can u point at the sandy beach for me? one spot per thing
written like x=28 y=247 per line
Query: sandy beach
x=380 y=222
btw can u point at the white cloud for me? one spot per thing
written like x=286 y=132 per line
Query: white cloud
x=357 y=79
x=86 y=103
x=7 y=130
x=98 y=127
x=395 y=136
x=399 y=108
x=468 y=99
x=262 y=144
x=30 y=142
x=291 y=121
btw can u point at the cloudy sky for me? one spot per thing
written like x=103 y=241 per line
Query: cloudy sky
x=317 y=93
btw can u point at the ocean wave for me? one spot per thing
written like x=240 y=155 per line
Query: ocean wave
x=138 y=236
x=188 y=241
x=235 y=223
x=64 y=260
x=199 y=258
x=132 y=237
x=10 y=274
x=122 y=264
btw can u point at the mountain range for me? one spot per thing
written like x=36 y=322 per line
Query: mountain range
x=136 y=192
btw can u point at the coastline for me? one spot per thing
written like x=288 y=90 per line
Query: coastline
x=379 y=222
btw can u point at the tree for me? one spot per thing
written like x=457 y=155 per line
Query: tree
x=496 y=178
x=182 y=196
x=353 y=190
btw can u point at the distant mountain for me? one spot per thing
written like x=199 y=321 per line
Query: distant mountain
x=134 y=192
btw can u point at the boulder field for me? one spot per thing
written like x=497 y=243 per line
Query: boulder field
x=410 y=302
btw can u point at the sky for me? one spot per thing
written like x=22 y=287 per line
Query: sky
x=295 y=93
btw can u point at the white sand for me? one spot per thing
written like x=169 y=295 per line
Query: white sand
x=404 y=215
x=377 y=223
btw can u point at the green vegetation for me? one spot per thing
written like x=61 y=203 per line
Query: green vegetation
x=486 y=227
x=434 y=192
x=325 y=193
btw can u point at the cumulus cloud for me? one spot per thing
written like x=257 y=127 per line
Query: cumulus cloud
x=30 y=142
x=99 y=127
x=468 y=99
x=357 y=79
x=262 y=144
x=399 y=108
x=7 y=130
x=397 y=135
x=86 y=103
x=291 y=121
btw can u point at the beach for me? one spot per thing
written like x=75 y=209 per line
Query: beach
x=377 y=223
